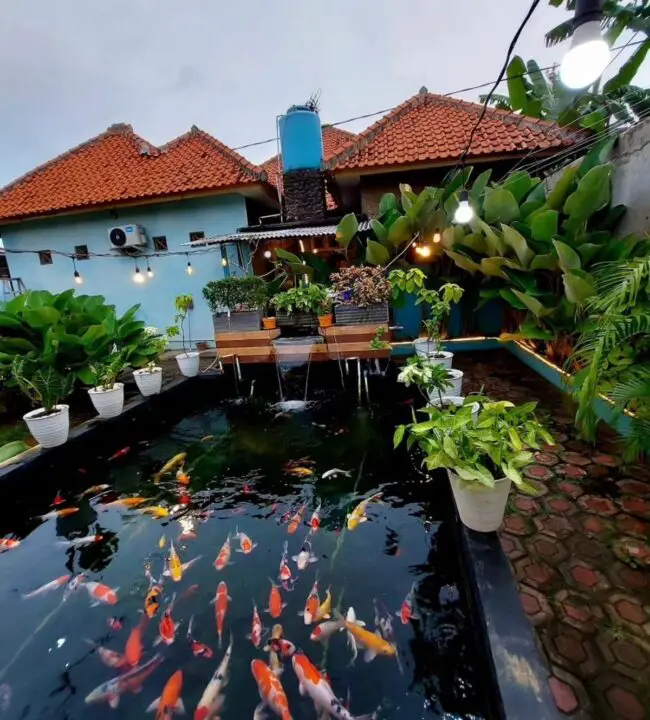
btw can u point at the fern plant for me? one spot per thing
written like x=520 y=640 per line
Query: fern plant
x=43 y=385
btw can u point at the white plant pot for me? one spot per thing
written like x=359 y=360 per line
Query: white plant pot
x=453 y=400
x=148 y=382
x=189 y=363
x=108 y=403
x=428 y=350
x=49 y=430
x=455 y=391
x=480 y=508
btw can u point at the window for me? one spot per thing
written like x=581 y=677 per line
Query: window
x=197 y=235
x=81 y=252
x=159 y=242
x=45 y=257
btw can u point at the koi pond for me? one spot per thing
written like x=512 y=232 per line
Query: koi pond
x=219 y=559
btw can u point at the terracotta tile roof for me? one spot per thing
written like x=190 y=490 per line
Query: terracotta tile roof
x=334 y=140
x=119 y=166
x=430 y=128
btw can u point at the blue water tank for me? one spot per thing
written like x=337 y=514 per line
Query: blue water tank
x=301 y=139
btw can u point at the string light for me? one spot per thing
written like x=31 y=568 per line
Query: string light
x=138 y=277
x=149 y=270
x=437 y=237
x=224 y=261
x=425 y=251
x=77 y=277
x=267 y=254
x=189 y=270
x=302 y=245
x=464 y=212
x=589 y=53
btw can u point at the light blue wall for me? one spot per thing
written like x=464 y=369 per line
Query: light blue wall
x=113 y=277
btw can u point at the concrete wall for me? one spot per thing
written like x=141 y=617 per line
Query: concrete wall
x=631 y=184
x=113 y=277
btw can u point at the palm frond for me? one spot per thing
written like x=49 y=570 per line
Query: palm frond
x=559 y=33
x=632 y=388
x=638 y=441
x=618 y=284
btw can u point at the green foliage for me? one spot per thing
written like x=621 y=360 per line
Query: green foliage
x=361 y=286
x=235 y=293
x=439 y=304
x=11 y=449
x=426 y=376
x=183 y=305
x=103 y=372
x=312 y=298
x=377 y=343
x=406 y=281
x=43 y=385
x=497 y=444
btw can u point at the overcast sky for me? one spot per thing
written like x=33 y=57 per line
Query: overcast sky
x=69 y=69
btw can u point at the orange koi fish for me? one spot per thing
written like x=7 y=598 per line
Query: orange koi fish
x=406 y=611
x=120 y=453
x=58 y=499
x=93 y=490
x=167 y=627
x=112 y=690
x=110 y=658
x=256 y=628
x=130 y=502
x=270 y=689
x=198 y=648
x=182 y=478
x=373 y=643
x=223 y=558
x=8 y=544
x=285 y=571
x=53 y=585
x=312 y=605
x=101 y=594
x=221 y=601
x=275 y=602
x=314 y=523
x=299 y=471
x=59 y=513
x=296 y=520
x=133 y=647
x=246 y=545
x=169 y=701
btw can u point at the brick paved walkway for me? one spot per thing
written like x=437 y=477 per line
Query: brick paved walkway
x=580 y=552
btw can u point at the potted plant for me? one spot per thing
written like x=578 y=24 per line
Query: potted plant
x=149 y=378
x=188 y=361
x=269 y=322
x=324 y=310
x=107 y=395
x=236 y=303
x=482 y=458
x=436 y=382
x=298 y=306
x=44 y=385
x=439 y=303
x=362 y=295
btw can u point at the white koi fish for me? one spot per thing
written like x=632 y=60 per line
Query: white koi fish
x=80 y=542
x=305 y=556
x=48 y=587
x=132 y=681
x=212 y=699
x=335 y=471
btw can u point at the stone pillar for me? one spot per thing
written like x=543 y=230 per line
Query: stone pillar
x=304 y=195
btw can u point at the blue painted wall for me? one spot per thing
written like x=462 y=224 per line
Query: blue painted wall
x=113 y=277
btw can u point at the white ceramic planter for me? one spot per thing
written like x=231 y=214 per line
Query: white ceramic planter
x=457 y=401
x=49 y=430
x=108 y=403
x=149 y=382
x=428 y=350
x=189 y=363
x=456 y=390
x=481 y=508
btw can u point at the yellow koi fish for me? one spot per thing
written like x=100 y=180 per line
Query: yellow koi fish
x=170 y=465
x=358 y=515
x=374 y=643
x=325 y=610
x=174 y=564
x=129 y=502
x=162 y=541
x=300 y=472
x=156 y=511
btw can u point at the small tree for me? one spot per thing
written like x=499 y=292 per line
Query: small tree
x=183 y=305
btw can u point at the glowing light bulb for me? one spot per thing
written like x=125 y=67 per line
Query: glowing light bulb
x=418 y=250
x=138 y=277
x=464 y=212
x=224 y=261
x=302 y=245
x=149 y=271
x=77 y=278
x=315 y=251
x=425 y=251
x=437 y=237
x=267 y=254
x=587 y=57
x=189 y=270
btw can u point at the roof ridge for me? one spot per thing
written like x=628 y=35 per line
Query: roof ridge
x=114 y=129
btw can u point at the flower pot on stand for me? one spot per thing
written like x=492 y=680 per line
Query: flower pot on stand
x=269 y=323
x=149 y=382
x=49 y=430
x=429 y=350
x=325 y=321
x=188 y=363
x=480 y=508
x=109 y=403
x=456 y=377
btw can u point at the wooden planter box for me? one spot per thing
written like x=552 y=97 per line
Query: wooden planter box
x=238 y=321
x=354 y=315
x=299 y=321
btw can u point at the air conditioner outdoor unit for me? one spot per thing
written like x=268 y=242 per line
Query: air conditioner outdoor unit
x=125 y=236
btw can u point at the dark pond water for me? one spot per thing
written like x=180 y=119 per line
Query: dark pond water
x=238 y=456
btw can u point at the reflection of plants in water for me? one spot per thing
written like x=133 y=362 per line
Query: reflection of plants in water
x=97 y=556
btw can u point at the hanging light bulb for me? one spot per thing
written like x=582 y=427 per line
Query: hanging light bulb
x=418 y=250
x=302 y=245
x=588 y=55
x=189 y=269
x=149 y=270
x=425 y=251
x=416 y=247
x=267 y=254
x=138 y=277
x=315 y=251
x=437 y=237
x=224 y=261
x=76 y=275
x=464 y=212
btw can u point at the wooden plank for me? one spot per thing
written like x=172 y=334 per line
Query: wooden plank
x=344 y=331
x=267 y=335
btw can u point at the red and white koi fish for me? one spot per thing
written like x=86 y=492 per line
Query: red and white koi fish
x=198 y=648
x=80 y=542
x=110 y=658
x=8 y=544
x=169 y=701
x=114 y=623
x=312 y=605
x=64 y=512
x=256 y=628
x=270 y=689
x=283 y=647
x=406 y=611
x=132 y=681
x=296 y=520
x=184 y=566
x=52 y=585
x=312 y=683
x=119 y=454
x=221 y=601
x=285 y=571
x=167 y=628
x=275 y=602
x=325 y=630
x=101 y=594
x=223 y=558
x=212 y=699
x=314 y=523
x=305 y=556
x=246 y=545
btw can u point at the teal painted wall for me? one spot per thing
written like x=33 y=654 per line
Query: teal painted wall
x=113 y=277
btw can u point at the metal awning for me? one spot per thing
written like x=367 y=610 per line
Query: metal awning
x=300 y=232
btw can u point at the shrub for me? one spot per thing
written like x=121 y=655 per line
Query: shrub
x=361 y=286
x=236 y=293
x=311 y=298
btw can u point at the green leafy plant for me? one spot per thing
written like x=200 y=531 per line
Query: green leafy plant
x=426 y=376
x=498 y=444
x=406 y=281
x=377 y=343
x=183 y=304
x=439 y=303
x=361 y=286
x=43 y=385
x=312 y=298
x=235 y=293
x=103 y=373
